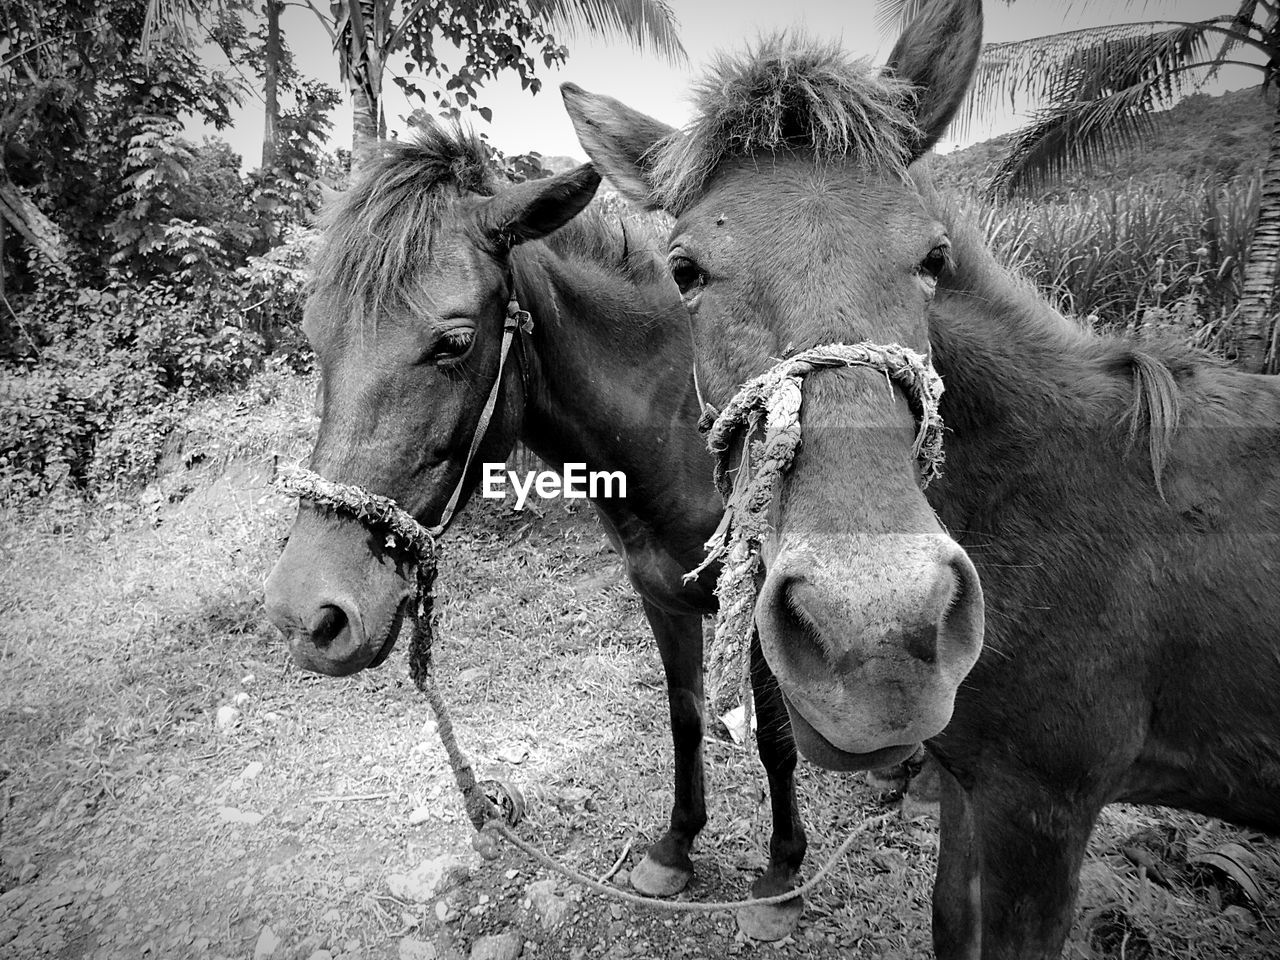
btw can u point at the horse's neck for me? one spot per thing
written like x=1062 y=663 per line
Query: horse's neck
x=610 y=373
x=1014 y=376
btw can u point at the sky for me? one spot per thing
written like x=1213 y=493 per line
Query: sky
x=522 y=122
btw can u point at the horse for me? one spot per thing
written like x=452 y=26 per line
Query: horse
x=1119 y=499
x=406 y=315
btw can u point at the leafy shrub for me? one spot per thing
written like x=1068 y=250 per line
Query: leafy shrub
x=275 y=286
x=107 y=373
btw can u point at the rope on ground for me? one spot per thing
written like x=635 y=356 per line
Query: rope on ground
x=776 y=397
x=689 y=906
x=417 y=544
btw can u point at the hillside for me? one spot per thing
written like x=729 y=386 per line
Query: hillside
x=1223 y=136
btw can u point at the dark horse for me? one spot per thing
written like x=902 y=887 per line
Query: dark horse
x=406 y=316
x=1120 y=502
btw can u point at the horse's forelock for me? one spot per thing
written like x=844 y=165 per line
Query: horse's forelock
x=788 y=92
x=375 y=232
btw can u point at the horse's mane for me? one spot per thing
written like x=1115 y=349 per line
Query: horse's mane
x=614 y=235
x=378 y=234
x=787 y=92
x=1094 y=362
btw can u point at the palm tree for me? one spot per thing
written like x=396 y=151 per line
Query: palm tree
x=1097 y=88
x=366 y=33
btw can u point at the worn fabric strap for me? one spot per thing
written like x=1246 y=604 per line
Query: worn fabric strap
x=776 y=396
x=517 y=320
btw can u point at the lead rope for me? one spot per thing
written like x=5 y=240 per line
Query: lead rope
x=776 y=396
x=405 y=535
x=417 y=544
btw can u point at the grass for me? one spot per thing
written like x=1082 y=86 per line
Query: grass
x=129 y=624
x=1143 y=259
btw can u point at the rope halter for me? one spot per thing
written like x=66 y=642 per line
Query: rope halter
x=493 y=806
x=417 y=544
x=776 y=395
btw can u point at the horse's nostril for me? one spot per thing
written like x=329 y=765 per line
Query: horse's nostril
x=803 y=636
x=922 y=643
x=329 y=624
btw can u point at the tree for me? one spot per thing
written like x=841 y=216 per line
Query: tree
x=491 y=35
x=82 y=114
x=1096 y=90
x=273 y=56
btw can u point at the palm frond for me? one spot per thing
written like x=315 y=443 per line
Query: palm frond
x=170 y=21
x=1245 y=22
x=648 y=24
x=1082 y=64
x=1072 y=134
x=892 y=16
x=1100 y=96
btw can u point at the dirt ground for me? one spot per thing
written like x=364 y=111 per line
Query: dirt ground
x=132 y=825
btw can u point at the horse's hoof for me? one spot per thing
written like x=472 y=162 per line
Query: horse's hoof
x=770 y=921
x=655 y=880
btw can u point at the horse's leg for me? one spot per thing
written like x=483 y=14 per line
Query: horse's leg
x=1029 y=845
x=666 y=867
x=787 y=843
x=957 y=888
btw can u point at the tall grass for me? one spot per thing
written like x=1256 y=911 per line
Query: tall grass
x=1140 y=259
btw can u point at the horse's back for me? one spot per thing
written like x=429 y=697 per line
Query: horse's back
x=1213 y=736
x=1133 y=633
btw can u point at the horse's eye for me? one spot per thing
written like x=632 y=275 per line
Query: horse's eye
x=452 y=345
x=938 y=260
x=687 y=274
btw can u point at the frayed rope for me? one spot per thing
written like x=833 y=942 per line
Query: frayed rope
x=417 y=544
x=776 y=395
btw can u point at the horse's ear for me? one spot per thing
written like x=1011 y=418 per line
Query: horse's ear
x=938 y=54
x=618 y=139
x=533 y=209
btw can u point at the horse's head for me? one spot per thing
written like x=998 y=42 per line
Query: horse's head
x=797 y=225
x=406 y=316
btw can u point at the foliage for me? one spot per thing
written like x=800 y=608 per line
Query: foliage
x=1143 y=260
x=90 y=128
x=106 y=372
x=1202 y=137
x=290 y=191
x=1093 y=91
x=275 y=287
x=489 y=36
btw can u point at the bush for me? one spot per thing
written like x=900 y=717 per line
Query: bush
x=275 y=287
x=106 y=375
